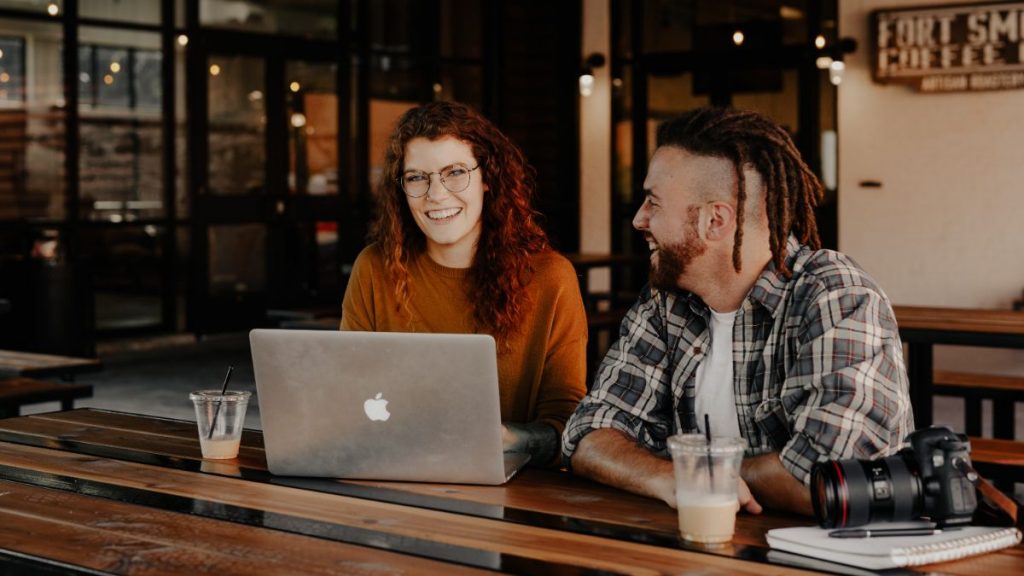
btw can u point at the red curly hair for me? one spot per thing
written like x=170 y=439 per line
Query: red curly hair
x=509 y=232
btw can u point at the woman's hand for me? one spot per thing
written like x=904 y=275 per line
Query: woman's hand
x=537 y=439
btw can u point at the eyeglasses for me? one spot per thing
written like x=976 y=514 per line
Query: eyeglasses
x=454 y=178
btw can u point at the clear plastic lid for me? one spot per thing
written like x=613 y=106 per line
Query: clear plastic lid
x=690 y=443
x=217 y=396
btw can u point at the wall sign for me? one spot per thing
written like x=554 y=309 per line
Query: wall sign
x=950 y=48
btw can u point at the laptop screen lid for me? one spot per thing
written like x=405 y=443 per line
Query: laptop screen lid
x=379 y=405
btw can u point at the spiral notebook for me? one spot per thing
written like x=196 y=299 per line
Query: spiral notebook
x=892 y=551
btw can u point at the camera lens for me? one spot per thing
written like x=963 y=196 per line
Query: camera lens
x=855 y=492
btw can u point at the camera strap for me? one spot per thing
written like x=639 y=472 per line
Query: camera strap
x=989 y=492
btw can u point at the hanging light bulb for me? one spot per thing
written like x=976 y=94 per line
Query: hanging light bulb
x=182 y=40
x=586 y=83
x=738 y=37
x=835 y=72
x=819 y=41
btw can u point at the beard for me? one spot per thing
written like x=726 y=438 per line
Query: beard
x=674 y=259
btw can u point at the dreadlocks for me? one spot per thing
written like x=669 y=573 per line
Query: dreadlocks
x=749 y=139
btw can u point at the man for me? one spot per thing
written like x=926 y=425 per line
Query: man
x=747 y=320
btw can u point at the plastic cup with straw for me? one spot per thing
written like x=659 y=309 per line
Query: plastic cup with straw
x=220 y=416
x=706 y=472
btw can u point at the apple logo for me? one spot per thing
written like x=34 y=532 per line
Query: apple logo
x=376 y=408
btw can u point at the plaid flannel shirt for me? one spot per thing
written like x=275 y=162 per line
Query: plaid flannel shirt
x=817 y=362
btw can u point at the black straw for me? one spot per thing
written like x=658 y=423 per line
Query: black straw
x=223 y=389
x=707 y=435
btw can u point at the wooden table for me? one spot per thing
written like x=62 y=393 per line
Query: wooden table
x=15 y=363
x=921 y=328
x=110 y=492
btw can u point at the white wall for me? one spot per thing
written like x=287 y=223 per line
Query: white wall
x=595 y=142
x=947 y=226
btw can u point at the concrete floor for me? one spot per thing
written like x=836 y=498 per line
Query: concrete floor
x=157 y=379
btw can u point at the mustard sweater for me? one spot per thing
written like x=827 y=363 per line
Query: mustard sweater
x=541 y=375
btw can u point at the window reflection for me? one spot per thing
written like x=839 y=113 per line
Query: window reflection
x=309 y=19
x=127 y=273
x=312 y=110
x=31 y=121
x=141 y=11
x=120 y=95
x=12 y=70
x=238 y=256
x=237 y=124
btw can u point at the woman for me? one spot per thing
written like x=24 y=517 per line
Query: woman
x=457 y=249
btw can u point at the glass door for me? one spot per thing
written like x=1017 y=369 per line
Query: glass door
x=266 y=191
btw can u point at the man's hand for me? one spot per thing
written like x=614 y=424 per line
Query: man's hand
x=765 y=476
x=610 y=457
x=747 y=501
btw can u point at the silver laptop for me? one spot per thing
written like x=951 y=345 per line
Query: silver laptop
x=381 y=405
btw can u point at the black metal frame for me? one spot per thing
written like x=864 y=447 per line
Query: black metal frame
x=350 y=51
x=800 y=58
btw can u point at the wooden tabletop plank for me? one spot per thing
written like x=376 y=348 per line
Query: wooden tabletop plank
x=135 y=423
x=536 y=490
x=540 y=544
x=960 y=319
x=166 y=445
x=15 y=363
x=122 y=538
x=539 y=490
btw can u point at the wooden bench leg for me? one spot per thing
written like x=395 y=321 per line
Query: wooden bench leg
x=972 y=415
x=1003 y=413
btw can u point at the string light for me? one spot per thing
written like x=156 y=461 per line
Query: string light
x=214 y=70
x=182 y=40
x=52 y=9
x=115 y=67
x=295 y=86
x=738 y=37
x=819 y=41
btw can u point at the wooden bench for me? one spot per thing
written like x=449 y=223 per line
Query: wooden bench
x=17 y=392
x=30 y=364
x=1004 y=391
x=1001 y=461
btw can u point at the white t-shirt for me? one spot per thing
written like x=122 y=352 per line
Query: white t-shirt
x=714 y=382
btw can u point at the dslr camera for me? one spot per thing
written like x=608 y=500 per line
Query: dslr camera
x=932 y=478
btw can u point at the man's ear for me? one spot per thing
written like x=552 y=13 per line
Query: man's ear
x=720 y=220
